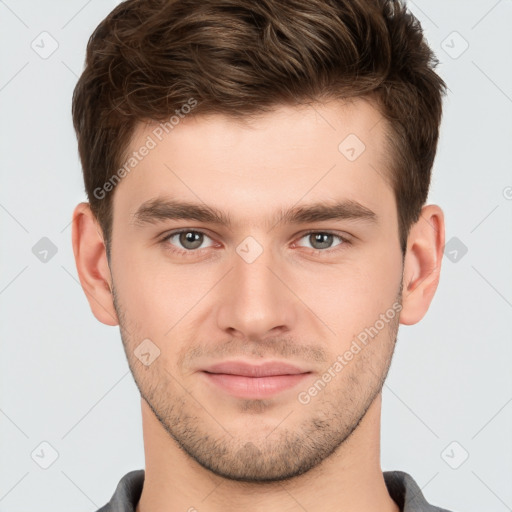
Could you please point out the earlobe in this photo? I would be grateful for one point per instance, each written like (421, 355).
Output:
(92, 265)
(422, 264)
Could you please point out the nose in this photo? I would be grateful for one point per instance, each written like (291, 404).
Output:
(257, 301)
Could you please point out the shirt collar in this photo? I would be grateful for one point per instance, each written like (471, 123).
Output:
(401, 487)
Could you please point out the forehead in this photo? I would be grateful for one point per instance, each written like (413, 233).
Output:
(315, 152)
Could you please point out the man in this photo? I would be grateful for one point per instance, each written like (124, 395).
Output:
(257, 175)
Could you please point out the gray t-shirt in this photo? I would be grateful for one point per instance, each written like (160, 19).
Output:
(401, 487)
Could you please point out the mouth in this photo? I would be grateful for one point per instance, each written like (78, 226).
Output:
(244, 380)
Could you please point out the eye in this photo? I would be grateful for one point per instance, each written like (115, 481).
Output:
(321, 240)
(190, 240)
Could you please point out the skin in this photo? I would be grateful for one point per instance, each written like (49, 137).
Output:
(205, 448)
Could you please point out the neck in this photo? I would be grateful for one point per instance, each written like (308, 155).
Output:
(350, 479)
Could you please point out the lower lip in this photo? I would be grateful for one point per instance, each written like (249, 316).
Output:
(254, 387)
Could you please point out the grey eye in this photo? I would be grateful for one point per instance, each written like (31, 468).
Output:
(321, 240)
(187, 239)
(191, 239)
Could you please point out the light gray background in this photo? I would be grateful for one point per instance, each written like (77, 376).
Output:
(64, 376)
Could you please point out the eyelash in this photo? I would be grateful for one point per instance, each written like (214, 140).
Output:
(194, 252)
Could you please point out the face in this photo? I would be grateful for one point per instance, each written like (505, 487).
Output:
(246, 327)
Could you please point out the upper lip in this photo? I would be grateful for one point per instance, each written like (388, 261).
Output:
(251, 370)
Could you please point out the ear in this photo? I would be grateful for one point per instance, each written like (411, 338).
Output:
(422, 265)
(92, 264)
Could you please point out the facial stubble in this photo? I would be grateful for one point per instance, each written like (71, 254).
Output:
(287, 452)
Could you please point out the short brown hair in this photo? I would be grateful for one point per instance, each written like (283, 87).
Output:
(244, 57)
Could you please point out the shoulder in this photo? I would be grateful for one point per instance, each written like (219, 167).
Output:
(127, 493)
(406, 493)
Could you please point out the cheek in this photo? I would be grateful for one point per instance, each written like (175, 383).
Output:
(143, 287)
(161, 299)
(351, 296)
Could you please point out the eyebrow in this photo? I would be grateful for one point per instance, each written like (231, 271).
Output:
(160, 209)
